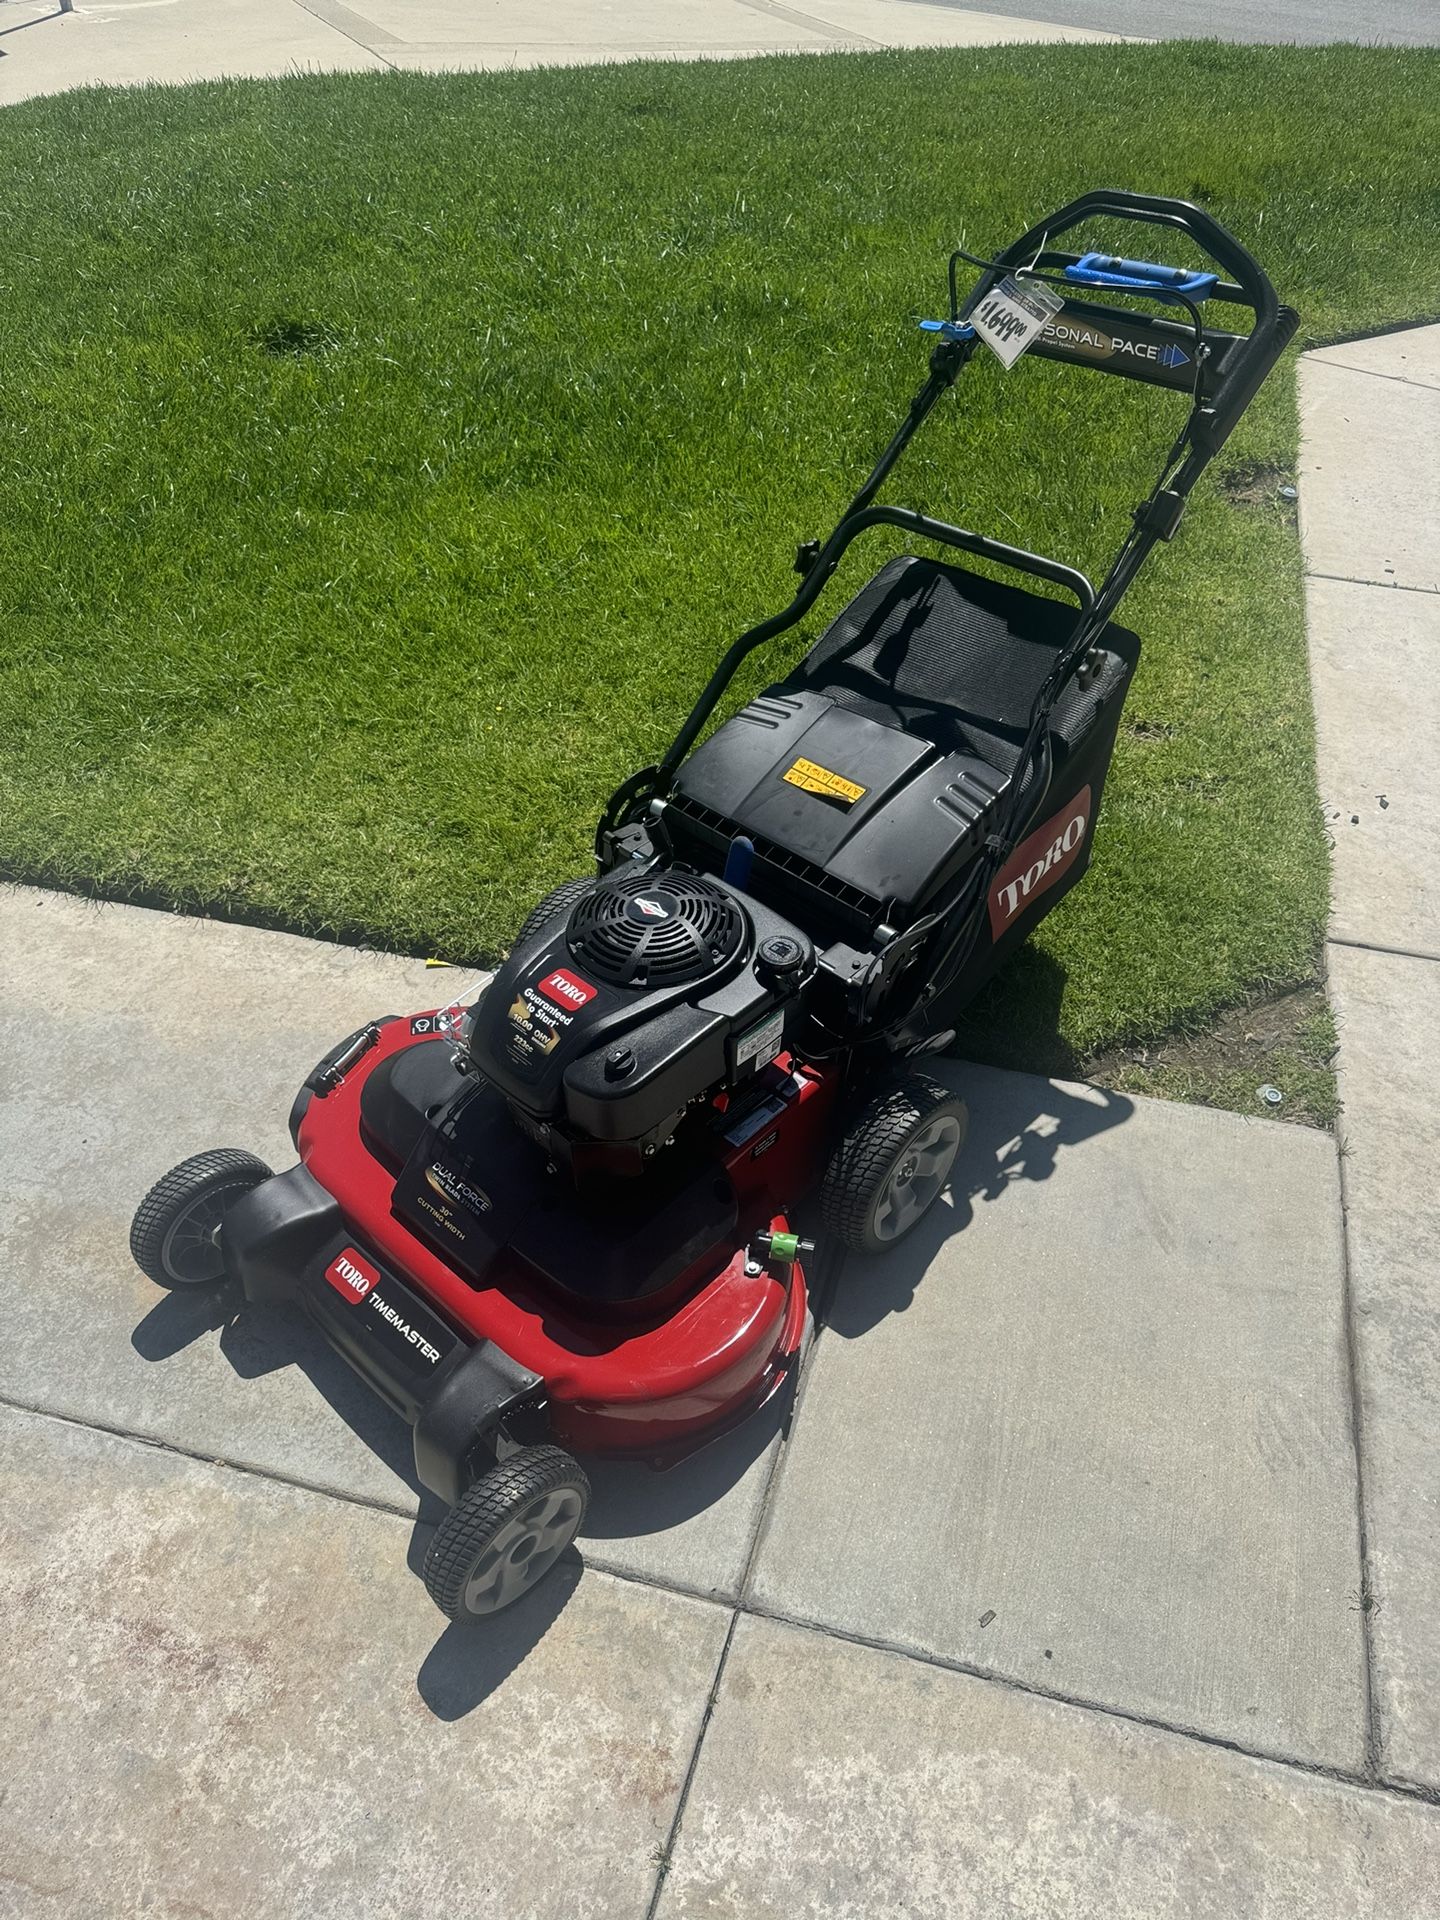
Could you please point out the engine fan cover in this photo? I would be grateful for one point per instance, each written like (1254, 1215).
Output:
(657, 930)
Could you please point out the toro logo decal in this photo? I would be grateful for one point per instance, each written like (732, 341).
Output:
(1038, 862)
(351, 1276)
(567, 989)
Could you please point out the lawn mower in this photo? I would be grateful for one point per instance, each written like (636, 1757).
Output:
(559, 1221)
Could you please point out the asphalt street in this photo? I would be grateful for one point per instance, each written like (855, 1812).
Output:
(1401, 23)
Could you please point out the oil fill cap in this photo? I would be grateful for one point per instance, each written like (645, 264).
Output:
(781, 956)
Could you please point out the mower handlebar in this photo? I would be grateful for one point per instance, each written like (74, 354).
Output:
(1143, 270)
(1219, 399)
(1214, 240)
(1232, 376)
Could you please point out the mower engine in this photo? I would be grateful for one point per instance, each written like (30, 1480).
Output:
(660, 991)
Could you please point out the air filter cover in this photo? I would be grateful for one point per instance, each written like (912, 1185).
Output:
(657, 929)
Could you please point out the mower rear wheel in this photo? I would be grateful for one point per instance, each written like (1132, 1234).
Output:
(555, 906)
(507, 1533)
(175, 1235)
(893, 1163)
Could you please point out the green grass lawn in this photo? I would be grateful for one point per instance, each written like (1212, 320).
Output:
(384, 460)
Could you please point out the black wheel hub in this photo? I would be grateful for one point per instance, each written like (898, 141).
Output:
(191, 1248)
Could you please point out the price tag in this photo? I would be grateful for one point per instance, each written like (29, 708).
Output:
(1013, 315)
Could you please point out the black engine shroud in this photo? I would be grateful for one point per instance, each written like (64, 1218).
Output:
(659, 988)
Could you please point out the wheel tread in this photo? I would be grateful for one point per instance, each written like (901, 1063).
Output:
(868, 1150)
(219, 1167)
(485, 1508)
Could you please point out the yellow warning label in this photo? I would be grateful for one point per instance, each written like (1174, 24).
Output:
(811, 778)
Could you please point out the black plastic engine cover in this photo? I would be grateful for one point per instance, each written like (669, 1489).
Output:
(399, 1096)
(868, 778)
(546, 1025)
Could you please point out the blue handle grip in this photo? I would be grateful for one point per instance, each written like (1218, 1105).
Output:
(1142, 269)
(1144, 276)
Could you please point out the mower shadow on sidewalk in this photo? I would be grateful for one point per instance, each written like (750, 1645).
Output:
(1019, 1125)
(464, 1666)
(468, 1663)
(631, 1499)
(259, 1342)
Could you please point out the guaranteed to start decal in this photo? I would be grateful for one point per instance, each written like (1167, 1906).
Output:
(541, 1014)
(811, 778)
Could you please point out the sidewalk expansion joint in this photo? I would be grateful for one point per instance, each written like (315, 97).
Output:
(1357, 1419)
(1374, 373)
(1316, 1769)
(758, 1610)
(1385, 586)
(828, 1270)
(656, 1582)
(1357, 1441)
(842, 36)
(351, 26)
(390, 1510)
(666, 1853)
(1375, 946)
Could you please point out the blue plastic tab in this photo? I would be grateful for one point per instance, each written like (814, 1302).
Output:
(738, 862)
(950, 329)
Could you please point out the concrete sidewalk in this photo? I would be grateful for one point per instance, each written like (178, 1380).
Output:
(1370, 522)
(1050, 1602)
(125, 42)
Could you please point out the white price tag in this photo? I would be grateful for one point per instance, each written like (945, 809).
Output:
(1013, 315)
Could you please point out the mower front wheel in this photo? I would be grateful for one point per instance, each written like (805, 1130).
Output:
(175, 1235)
(893, 1163)
(507, 1533)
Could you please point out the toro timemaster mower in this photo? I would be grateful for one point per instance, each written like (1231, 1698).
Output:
(558, 1221)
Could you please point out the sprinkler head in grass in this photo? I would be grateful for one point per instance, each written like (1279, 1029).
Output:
(1272, 1096)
